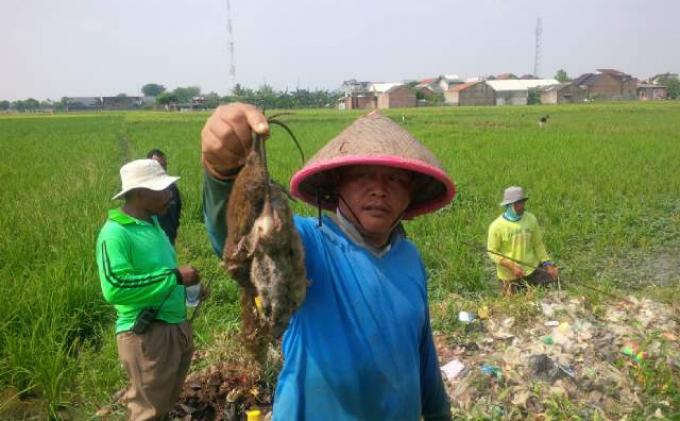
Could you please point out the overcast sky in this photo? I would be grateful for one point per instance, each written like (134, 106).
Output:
(55, 48)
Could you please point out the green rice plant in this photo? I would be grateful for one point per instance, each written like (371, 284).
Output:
(603, 180)
(50, 216)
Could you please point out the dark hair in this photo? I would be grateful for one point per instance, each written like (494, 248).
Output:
(155, 152)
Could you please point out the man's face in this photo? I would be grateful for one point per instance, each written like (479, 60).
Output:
(154, 202)
(376, 195)
(161, 160)
(519, 207)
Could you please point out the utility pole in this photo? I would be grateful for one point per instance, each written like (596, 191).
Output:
(230, 45)
(537, 49)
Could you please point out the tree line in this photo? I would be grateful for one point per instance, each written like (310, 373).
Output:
(265, 97)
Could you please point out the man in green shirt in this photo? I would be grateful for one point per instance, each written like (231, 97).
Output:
(138, 271)
(515, 244)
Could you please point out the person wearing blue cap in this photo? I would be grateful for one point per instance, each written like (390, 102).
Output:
(515, 244)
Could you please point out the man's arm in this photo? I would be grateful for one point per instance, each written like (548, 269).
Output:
(225, 142)
(215, 198)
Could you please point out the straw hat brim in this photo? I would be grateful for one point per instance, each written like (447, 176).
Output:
(435, 188)
(510, 202)
(156, 184)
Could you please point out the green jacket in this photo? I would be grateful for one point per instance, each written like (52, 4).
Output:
(521, 240)
(138, 269)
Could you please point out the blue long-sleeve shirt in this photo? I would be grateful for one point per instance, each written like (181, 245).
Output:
(360, 347)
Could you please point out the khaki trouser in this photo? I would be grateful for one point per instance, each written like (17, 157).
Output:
(157, 363)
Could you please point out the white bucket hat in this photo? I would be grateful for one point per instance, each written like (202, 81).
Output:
(143, 174)
(513, 194)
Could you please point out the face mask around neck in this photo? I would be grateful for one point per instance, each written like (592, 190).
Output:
(510, 213)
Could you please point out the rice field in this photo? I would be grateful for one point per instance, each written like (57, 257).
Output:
(603, 180)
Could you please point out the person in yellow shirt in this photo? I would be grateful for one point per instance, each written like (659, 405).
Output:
(515, 244)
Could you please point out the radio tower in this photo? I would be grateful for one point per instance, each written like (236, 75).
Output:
(230, 45)
(537, 50)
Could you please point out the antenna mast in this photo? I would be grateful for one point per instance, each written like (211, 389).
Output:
(230, 45)
(537, 50)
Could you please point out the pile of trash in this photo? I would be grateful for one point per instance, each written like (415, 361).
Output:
(223, 392)
(572, 359)
(228, 387)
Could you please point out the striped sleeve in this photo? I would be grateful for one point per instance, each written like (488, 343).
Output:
(121, 284)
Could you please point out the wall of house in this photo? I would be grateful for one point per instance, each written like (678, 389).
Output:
(645, 94)
(83, 103)
(360, 102)
(608, 87)
(383, 101)
(549, 97)
(477, 94)
(512, 97)
(121, 103)
(571, 94)
(397, 98)
(605, 86)
(651, 94)
(659, 93)
(451, 98)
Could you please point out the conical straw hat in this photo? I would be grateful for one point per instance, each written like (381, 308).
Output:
(374, 140)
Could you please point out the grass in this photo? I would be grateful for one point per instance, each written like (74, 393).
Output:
(604, 182)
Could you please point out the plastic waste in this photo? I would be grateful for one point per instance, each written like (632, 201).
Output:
(452, 369)
(193, 294)
(492, 370)
(466, 317)
(253, 415)
(632, 351)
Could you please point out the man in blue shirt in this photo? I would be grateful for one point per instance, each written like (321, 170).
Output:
(170, 220)
(360, 347)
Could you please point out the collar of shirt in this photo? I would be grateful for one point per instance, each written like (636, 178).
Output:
(123, 218)
(353, 233)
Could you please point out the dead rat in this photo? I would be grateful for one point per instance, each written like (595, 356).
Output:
(263, 251)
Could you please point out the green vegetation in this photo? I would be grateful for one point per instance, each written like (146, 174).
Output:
(561, 76)
(673, 86)
(153, 89)
(604, 181)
